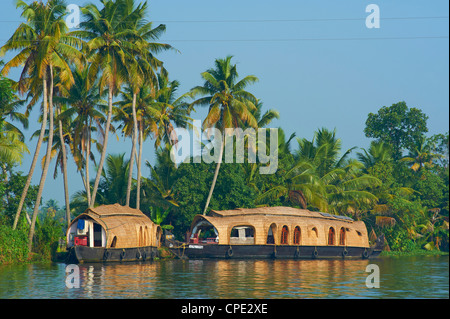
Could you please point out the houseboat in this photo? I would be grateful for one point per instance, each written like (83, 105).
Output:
(277, 232)
(112, 233)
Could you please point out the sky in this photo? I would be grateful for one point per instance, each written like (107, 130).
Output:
(317, 62)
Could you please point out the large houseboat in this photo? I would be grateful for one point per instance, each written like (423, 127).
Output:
(112, 233)
(277, 232)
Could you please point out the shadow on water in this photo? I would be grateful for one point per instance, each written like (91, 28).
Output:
(400, 277)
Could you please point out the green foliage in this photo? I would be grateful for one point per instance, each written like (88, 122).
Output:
(192, 186)
(430, 190)
(158, 216)
(12, 184)
(47, 234)
(13, 243)
(397, 125)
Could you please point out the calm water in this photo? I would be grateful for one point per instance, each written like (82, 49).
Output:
(400, 277)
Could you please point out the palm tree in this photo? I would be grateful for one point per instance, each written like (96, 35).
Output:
(12, 144)
(112, 186)
(44, 46)
(323, 151)
(169, 111)
(263, 121)
(229, 104)
(145, 123)
(142, 65)
(298, 186)
(378, 151)
(158, 189)
(420, 156)
(347, 189)
(86, 116)
(108, 41)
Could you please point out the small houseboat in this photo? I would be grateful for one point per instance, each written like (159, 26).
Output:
(112, 233)
(277, 232)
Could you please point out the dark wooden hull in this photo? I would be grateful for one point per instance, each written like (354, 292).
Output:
(81, 254)
(271, 251)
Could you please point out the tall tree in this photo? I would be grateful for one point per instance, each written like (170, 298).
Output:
(142, 66)
(229, 103)
(420, 155)
(108, 41)
(397, 125)
(86, 115)
(44, 46)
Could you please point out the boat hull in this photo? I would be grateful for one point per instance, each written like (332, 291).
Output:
(194, 251)
(82, 254)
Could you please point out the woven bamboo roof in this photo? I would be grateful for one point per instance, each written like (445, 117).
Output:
(314, 225)
(276, 211)
(114, 210)
(125, 223)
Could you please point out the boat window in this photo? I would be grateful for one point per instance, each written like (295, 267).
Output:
(243, 234)
(284, 235)
(146, 243)
(114, 242)
(271, 231)
(297, 235)
(342, 236)
(315, 232)
(331, 236)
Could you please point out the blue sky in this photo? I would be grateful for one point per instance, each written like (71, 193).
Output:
(317, 62)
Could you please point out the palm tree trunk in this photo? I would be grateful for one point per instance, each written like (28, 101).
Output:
(88, 153)
(46, 163)
(64, 163)
(216, 173)
(36, 153)
(139, 161)
(133, 150)
(105, 143)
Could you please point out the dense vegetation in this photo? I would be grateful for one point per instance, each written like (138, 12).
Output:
(398, 186)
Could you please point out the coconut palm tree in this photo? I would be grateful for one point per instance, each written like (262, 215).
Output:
(108, 44)
(12, 144)
(142, 64)
(420, 155)
(112, 187)
(299, 186)
(123, 115)
(44, 46)
(348, 189)
(323, 151)
(378, 151)
(229, 104)
(86, 115)
(169, 111)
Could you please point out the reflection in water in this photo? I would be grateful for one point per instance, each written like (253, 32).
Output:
(400, 277)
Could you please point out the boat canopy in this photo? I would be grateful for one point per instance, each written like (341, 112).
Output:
(113, 226)
(280, 226)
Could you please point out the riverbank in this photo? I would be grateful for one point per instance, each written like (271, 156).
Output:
(417, 252)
